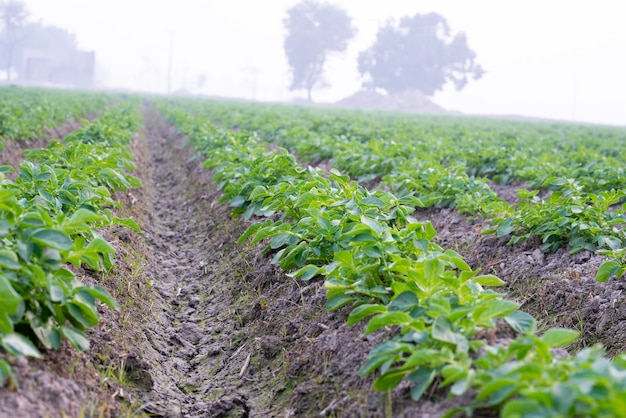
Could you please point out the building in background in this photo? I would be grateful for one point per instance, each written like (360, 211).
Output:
(67, 67)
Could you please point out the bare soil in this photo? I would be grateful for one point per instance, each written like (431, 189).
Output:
(210, 328)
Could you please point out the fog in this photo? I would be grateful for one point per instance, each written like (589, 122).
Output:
(552, 59)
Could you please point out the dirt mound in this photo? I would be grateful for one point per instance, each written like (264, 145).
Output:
(408, 101)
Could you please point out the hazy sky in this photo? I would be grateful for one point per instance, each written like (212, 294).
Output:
(548, 58)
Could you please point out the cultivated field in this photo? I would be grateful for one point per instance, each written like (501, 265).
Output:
(186, 257)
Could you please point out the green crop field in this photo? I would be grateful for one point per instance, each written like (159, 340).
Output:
(469, 265)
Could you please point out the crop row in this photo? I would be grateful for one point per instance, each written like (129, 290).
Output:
(446, 161)
(28, 113)
(381, 262)
(50, 216)
(501, 150)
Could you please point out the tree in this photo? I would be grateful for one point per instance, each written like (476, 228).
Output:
(12, 17)
(418, 53)
(314, 30)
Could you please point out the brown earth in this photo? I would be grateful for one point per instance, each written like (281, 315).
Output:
(210, 328)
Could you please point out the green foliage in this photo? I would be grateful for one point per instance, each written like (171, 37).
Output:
(28, 113)
(584, 221)
(381, 263)
(49, 218)
(451, 162)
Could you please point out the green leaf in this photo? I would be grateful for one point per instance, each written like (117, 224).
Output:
(257, 192)
(100, 245)
(387, 319)
(389, 380)
(18, 345)
(422, 379)
(280, 240)
(237, 201)
(363, 238)
(81, 316)
(76, 337)
(442, 330)
(5, 227)
(505, 228)
(363, 311)
(606, 270)
(84, 215)
(9, 298)
(307, 272)
(461, 386)
(405, 301)
(52, 238)
(6, 323)
(494, 386)
(372, 201)
(128, 223)
(372, 224)
(305, 199)
(9, 260)
(5, 372)
(102, 295)
(523, 408)
(497, 308)
(559, 337)
(521, 322)
(253, 229)
(57, 294)
(338, 301)
(49, 336)
(489, 280)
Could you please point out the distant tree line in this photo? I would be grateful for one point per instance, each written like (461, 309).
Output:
(415, 53)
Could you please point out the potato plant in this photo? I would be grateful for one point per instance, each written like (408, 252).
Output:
(583, 221)
(49, 219)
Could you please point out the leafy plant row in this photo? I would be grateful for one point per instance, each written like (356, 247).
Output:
(501, 150)
(49, 222)
(413, 156)
(28, 113)
(381, 262)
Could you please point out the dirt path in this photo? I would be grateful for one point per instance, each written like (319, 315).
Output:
(185, 328)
